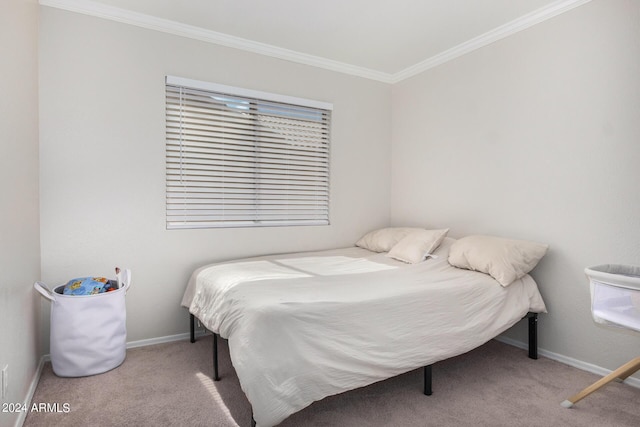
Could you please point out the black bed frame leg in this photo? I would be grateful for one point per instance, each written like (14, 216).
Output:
(427, 380)
(192, 327)
(533, 351)
(216, 377)
(533, 335)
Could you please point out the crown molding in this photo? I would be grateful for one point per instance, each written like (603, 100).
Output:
(100, 10)
(498, 33)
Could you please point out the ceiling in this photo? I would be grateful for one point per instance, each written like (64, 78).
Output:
(385, 40)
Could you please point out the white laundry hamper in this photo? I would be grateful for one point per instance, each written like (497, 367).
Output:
(88, 332)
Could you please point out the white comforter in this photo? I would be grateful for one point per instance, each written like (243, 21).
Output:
(305, 326)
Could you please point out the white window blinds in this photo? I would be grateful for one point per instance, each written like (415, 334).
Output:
(241, 158)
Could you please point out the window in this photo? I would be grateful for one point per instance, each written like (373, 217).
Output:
(242, 158)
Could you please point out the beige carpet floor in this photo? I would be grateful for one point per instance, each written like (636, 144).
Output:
(494, 385)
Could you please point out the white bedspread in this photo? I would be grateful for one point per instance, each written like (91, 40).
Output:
(305, 326)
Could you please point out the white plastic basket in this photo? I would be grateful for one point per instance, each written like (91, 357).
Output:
(88, 332)
(615, 295)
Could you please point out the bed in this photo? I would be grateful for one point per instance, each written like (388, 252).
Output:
(304, 326)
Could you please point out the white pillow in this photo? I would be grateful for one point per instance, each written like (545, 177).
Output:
(504, 259)
(415, 246)
(383, 239)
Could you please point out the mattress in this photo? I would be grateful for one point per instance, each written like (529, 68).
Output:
(309, 325)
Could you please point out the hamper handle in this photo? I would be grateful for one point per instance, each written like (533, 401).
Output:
(124, 278)
(44, 291)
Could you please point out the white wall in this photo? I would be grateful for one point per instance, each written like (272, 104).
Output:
(103, 165)
(19, 219)
(535, 137)
(532, 137)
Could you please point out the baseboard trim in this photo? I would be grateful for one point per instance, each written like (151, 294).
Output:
(594, 369)
(162, 340)
(149, 341)
(32, 390)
